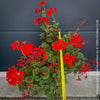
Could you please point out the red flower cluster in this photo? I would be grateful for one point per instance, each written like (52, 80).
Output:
(16, 45)
(69, 59)
(43, 2)
(43, 55)
(50, 11)
(95, 61)
(42, 20)
(34, 55)
(23, 62)
(59, 45)
(20, 62)
(79, 79)
(77, 40)
(54, 65)
(56, 70)
(38, 10)
(41, 51)
(39, 55)
(85, 68)
(14, 76)
(31, 51)
(28, 48)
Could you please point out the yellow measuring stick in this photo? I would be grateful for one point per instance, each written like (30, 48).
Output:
(62, 73)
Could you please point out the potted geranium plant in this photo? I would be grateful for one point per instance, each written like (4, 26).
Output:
(40, 67)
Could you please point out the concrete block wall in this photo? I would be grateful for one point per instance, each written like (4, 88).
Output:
(84, 88)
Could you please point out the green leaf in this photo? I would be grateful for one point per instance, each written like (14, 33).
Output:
(41, 83)
(49, 54)
(46, 87)
(49, 40)
(21, 86)
(47, 30)
(52, 88)
(37, 78)
(42, 26)
(71, 69)
(69, 33)
(54, 75)
(59, 92)
(49, 25)
(33, 75)
(45, 45)
(45, 68)
(45, 76)
(53, 21)
(26, 79)
(80, 55)
(51, 29)
(51, 35)
(65, 35)
(57, 23)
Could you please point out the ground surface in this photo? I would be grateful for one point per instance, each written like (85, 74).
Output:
(76, 98)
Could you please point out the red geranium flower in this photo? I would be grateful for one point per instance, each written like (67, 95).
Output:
(14, 76)
(54, 64)
(15, 44)
(85, 68)
(28, 49)
(37, 20)
(38, 10)
(50, 11)
(86, 77)
(38, 55)
(20, 62)
(23, 95)
(43, 2)
(55, 10)
(45, 19)
(69, 59)
(79, 79)
(55, 35)
(94, 62)
(56, 71)
(19, 47)
(42, 20)
(43, 54)
(59, 45)
(77, 40)
(28, 93)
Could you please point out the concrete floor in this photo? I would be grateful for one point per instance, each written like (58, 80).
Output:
(58, 99)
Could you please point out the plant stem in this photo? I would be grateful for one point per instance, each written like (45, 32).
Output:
(23, 53)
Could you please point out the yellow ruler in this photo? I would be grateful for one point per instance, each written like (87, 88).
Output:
(62, 73)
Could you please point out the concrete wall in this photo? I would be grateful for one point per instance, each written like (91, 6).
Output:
(84, 88)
